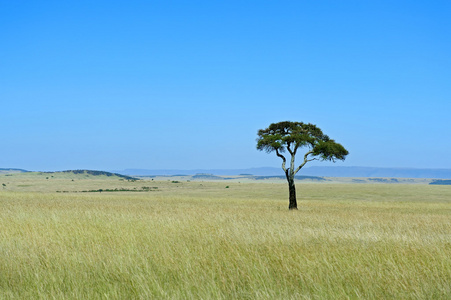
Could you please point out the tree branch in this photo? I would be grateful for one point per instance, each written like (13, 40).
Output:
(289, 149)
(306, 160)
(283, 159)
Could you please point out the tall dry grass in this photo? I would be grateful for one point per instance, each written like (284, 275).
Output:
(207, 242)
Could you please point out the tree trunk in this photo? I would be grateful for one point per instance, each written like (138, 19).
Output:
(292, 190)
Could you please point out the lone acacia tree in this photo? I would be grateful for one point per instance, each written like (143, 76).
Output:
(290, 136)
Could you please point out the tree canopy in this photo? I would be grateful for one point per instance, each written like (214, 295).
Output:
(290, 137)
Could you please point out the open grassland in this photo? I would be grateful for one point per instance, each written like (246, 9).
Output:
(70, 182)
(191, 240)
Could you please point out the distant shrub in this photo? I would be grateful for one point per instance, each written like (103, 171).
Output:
(147, 188)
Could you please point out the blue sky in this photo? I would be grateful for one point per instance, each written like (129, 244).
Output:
(187, 84)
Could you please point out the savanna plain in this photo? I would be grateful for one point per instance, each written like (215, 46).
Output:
(221, 240)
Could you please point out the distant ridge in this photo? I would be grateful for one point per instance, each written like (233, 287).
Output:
(322, 171)
(378, 172)
(265, 171)
(96, 173)
(11, 170)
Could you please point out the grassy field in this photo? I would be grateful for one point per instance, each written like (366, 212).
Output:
(219, 240)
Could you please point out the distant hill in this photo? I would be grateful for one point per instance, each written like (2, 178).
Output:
(313, 178)
(162, 172)
(320, 171)
(11, 170)
(377, 172)
(317, 171)
(441, 182)
(96, 173)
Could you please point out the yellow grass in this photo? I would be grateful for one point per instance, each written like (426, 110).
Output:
(194, 240)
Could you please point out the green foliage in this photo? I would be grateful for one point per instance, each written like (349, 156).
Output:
(144, 189)
(148, 188)
(290, 136)
(329, 150)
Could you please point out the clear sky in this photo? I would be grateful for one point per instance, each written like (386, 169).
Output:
(111, 85)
